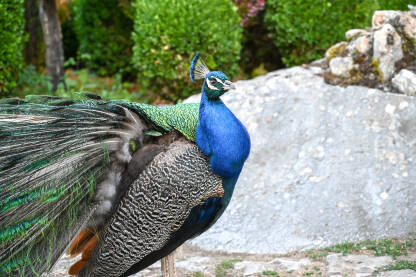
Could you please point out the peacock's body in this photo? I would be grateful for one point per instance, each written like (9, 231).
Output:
(122, 183)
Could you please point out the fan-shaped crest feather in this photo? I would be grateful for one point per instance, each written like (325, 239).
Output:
(198, 69)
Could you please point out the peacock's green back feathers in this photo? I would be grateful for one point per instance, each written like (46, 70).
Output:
(54, 153)
(181, 117)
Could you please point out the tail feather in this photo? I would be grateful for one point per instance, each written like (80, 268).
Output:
(54, 155)
(60, 162)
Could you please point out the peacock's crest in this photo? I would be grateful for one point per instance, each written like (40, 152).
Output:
(198, 69)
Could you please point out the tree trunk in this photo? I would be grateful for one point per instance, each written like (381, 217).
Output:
(33, 46)
(168, 265)
(52, 36)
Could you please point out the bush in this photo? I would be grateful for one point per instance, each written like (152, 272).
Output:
(400, 5)
(168, 33)
(249, 9)
(12, 38)
(103, 29)
(304, 29)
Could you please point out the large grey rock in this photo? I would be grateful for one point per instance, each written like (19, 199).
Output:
(328, 165)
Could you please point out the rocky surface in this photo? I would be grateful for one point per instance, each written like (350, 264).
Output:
(376, 57)
(328, 165)
(195, 262)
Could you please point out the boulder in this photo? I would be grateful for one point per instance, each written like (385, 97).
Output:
(405, 81)
(328, 165)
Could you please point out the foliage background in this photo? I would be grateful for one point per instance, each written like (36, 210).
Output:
(103, 30)
(12, 37)
(141, 50)
(168, 33)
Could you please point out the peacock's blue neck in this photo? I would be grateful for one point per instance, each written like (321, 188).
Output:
(224, 139)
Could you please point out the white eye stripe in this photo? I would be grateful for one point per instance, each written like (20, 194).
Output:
(219, 81)
(211, 86)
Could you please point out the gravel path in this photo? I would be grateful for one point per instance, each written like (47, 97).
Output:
(195, 262)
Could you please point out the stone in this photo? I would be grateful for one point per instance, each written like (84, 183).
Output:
(335, 50)
(355, 33)
(314, 146)
(377, 53)
(250, 268)
(363, 274)
(382, 17)
(405, 82)
(362, 44)
(409, 257)
(290, 264)
(399, 273)
(409, 23)
(194, 264)
(387, 50)
(341, 66)
(361, 264)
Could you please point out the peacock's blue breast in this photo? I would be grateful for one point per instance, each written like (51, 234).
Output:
(223, 138)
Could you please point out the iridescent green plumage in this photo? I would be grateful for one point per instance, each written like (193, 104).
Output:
(181, 117)
(53, 153)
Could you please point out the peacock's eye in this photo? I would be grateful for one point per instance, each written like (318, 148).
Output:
(213, 81)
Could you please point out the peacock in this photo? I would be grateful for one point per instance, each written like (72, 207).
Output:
(122, 183)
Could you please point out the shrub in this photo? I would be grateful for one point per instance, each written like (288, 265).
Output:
(393, 5)
(168, 33)
(104, 31)
(12, 38)
(249, 9)
(304, 29)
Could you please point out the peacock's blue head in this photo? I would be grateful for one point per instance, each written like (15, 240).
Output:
(215, 84)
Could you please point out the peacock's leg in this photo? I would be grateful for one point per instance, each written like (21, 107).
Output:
(168, 265)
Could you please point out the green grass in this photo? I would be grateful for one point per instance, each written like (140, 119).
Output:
(198, 274)
(383, 247)
(316, 254)
(316, 268)
(221, 269)
(344, 248)
(270, 273)
(388, 247)
(400, 265)
(32, 82)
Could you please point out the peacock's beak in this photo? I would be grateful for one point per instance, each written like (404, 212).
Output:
(228, 85)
